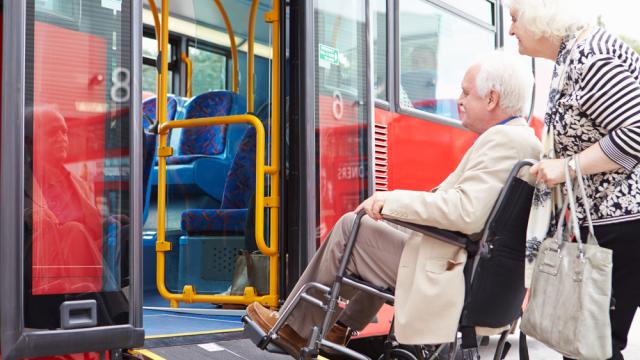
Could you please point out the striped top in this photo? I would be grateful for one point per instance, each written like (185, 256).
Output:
(599, 101)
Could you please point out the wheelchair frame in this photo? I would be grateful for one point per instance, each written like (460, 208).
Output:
(312, 350)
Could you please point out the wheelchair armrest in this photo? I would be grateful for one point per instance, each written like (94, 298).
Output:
(448, 236)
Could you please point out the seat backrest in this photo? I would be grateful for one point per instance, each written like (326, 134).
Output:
(494, 297)
(210, 140)
(241, 179)
(149, 145)
(149, 110)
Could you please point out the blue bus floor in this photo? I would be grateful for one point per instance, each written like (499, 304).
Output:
(167, 322)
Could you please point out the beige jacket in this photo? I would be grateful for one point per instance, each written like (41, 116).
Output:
(430, 284)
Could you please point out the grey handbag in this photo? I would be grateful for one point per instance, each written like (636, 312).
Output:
(571, 288)
(251, 269)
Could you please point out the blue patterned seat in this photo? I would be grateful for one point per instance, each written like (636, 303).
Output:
(201, 142)
(238, 190)
(149, 141)
(203, 156)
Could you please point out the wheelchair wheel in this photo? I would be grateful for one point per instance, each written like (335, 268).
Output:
(398, 354)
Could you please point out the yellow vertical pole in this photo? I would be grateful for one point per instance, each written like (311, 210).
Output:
(157, 29)
(161, 244)
(189, 65)
(273, 17)
(250, 55)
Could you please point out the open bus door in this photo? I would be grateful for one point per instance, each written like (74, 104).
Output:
(70, 260)
(331, 41)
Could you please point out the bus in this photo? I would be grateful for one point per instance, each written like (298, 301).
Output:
(166, 162)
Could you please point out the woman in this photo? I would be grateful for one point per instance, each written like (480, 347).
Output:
(593, 113)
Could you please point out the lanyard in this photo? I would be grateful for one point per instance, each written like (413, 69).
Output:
(507, 120)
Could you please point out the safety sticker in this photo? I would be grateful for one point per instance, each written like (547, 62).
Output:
(327, 56)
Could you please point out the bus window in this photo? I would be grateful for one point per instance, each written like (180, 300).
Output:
(436, 47)
(379, 31)
(481, 9)
(149, 71)
(209, 68)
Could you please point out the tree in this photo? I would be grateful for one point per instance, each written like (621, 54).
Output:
(634, 43)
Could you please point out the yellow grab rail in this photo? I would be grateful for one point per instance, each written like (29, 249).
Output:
(232, 40)
(273, 17)
(189, 65)
(189, 293)
(250, 56)
(272, 201)
(156, 21)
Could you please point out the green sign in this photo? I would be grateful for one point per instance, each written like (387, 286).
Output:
(328, 56)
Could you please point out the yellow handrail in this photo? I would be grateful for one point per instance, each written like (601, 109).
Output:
(189, 293)
(273, 17)
(161, 243)
(250, 55)
(232, 40)
(156, 21)
(157, 28)
(272, 201)
(189, 65)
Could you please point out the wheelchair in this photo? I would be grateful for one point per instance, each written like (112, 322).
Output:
(494, 281)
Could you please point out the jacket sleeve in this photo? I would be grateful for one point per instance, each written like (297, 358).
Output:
(466, 206)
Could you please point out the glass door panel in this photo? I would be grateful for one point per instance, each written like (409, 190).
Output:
(341, 116)
(78, 94)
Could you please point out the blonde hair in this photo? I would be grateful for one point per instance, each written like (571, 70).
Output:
(551, 18)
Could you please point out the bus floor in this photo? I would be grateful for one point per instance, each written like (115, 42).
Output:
(195, 331)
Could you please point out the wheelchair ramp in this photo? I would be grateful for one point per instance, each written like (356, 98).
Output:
(221, 350)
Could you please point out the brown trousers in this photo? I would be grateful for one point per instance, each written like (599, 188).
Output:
(375, 259)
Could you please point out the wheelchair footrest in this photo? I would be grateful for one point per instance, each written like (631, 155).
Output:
(259, 337)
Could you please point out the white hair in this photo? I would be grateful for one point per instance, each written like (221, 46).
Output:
(510, 76)
(551, 18)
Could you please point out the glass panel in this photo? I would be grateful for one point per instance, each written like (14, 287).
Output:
(208, 70)
(149, 72)
(78, 97)
(150, 49)
(341, 113)
(379, 30)
(149, 80)
(482, 9)
(436, 48)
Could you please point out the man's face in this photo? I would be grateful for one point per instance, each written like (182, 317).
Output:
(473, 107)
(53, 139)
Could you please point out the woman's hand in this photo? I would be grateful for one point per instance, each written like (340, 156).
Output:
(549, 171)
(373, 205)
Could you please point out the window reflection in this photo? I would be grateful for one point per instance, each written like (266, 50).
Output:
(208, 69)
(481, 9)
(435, 49)
(76, 173)
(379, 27)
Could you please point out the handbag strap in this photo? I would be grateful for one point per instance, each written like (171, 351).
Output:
(591, 238)
(573, 213)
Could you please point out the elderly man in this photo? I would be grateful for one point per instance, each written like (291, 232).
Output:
(425, 273)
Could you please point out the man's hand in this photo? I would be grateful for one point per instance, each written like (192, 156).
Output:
(549, 171)
(373, 205)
